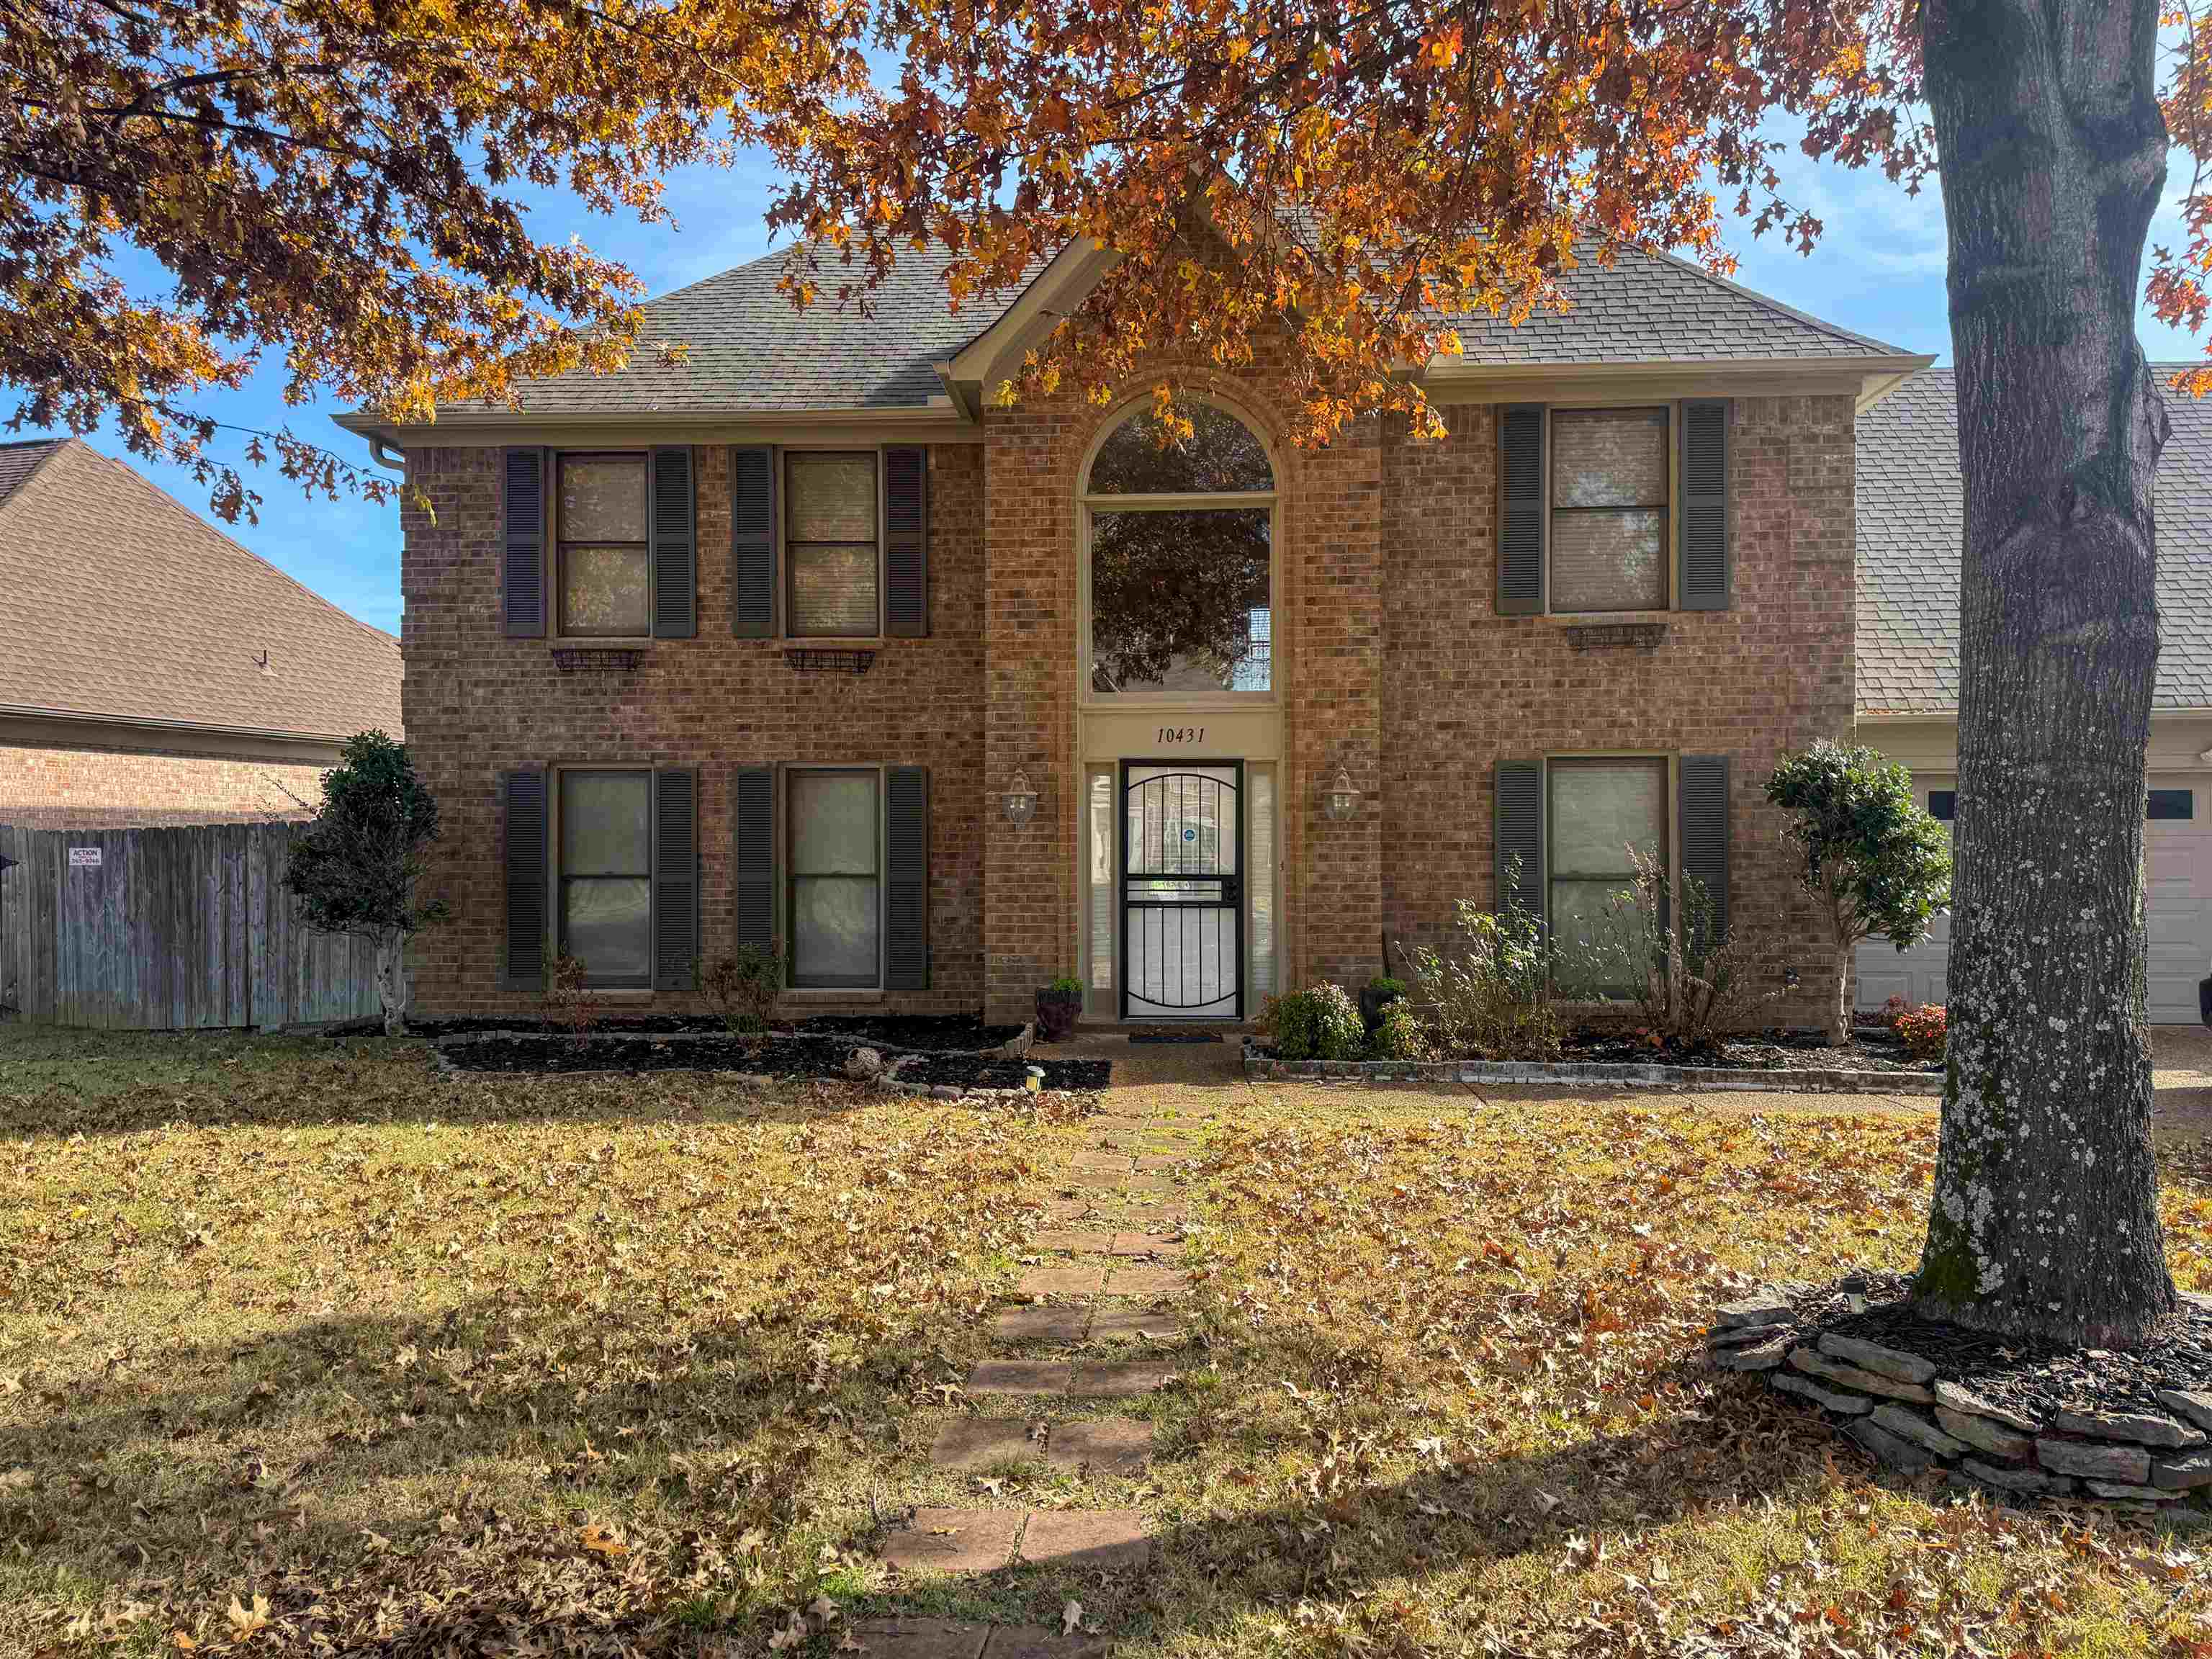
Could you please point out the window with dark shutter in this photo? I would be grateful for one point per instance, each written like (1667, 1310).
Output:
(675, 880)
(523, 856)
(675, 546)
(906, 896)
(522, 569)
(1702, 821)
(1521, 510)
(1518, 800)
(753, 854)
(1706, 575)
(752, 542)
(906, 543)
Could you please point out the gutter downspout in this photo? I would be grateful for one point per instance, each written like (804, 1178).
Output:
(385, 456)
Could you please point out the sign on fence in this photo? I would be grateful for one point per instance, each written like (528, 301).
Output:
(168, 929)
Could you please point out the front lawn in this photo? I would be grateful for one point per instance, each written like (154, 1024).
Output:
(310, 1347)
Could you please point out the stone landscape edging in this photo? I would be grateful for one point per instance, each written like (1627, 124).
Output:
(1259, 1065)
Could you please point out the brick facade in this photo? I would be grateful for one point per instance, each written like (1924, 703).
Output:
(1393, 662)
(50, 785)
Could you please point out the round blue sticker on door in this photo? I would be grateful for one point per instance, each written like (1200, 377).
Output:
(1190, 834)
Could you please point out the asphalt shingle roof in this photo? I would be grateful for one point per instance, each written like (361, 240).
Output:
(750, 352)
(1910, 526)
(120, 601)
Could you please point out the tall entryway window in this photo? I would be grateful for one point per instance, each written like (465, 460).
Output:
(1182, 900)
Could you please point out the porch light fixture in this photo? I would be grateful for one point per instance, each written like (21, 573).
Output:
(1342, 799)
(1020, 801)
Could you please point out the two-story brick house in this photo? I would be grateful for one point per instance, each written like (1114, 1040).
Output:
(803, 638)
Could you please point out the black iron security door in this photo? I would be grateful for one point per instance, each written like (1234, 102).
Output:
(1182, 898)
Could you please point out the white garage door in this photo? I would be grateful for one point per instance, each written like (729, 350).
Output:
(2177, 906)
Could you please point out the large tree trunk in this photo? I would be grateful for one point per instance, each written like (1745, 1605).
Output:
(2044, 1221)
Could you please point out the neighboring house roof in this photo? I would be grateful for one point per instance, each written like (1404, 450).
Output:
(749, 351)
(120, 602)
(1911, 527)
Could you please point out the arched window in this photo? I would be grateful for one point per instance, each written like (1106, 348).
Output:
(1181, 565)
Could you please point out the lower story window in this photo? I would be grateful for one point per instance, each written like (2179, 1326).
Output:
(1597, 810)
(836, 878)
(606, 874)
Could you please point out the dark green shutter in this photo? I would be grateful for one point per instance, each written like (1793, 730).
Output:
(675, 880)
(1518, 789)
(1702, 819)
(675, 546)
(906, 543)
(752, 542)
(1706, 574)
(522, 518)
(1521, 510)
(524, 856)
(906, 870)
(752, 854)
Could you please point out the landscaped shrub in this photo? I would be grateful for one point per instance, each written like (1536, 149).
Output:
(567, 1002)
(1689, 985)
(1320, 1024)
(1490, 994)
(742, 987)
(1923, 1031)
(1400, 1035)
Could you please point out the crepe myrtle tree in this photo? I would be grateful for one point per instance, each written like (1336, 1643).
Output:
(1878, 864)
(359, 866)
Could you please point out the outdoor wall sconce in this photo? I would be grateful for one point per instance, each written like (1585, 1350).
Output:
(1020, 801)
(1342, 799)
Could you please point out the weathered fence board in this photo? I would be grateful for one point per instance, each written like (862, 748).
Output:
(168, 929)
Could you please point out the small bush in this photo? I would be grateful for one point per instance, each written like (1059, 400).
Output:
(1492, 991)
(1067, 988)
(1891, 1009)
(1400, 1035)
(567, 1002)
(1383, 986)
(742, 987)
(1692, 984)
(1320, 1024)
(1923, 1031)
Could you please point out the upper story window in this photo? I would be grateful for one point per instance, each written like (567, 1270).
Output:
(830, 537)
(1608, 509)
(605, 581)
(1180, 569)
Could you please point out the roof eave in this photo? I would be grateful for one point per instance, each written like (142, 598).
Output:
(1876, 375)
(940, 413)
(152, 723)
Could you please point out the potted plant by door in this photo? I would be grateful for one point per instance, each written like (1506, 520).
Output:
(1057, 1006)
(1374, 996)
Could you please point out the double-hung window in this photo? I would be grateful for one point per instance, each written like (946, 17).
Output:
(835, 862)
(605, 871)
(604, 549)
(1598, 810)
(1608, 490)
(832, 541)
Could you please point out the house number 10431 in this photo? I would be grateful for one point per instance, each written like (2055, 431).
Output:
(1183, 734)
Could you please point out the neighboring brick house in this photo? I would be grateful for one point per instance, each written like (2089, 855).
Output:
(1910, 526)
(154, 671)
(803, 638)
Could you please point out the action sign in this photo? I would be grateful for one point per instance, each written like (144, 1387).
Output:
(84, 858)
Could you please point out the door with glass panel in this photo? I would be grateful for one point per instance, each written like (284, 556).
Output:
(1182, 900)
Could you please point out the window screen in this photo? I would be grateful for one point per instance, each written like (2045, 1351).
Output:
(606, 565)
(830, 537)
(1609, 544)
(1597, 809)
(606, 875)
(836, 909)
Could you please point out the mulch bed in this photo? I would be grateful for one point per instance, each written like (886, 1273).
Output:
(924, 1031)
(2030, 1378)
(817, 1053)
(1868, 1050)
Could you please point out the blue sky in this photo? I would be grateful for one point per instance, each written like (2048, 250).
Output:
(1878, 269)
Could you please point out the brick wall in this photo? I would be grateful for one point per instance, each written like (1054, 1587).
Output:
(478, 704)
(88, 787)
(1463, 686)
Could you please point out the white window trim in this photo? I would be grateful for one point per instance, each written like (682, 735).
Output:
(783, 564)
(1673, 548)
(786, 877)
(556, 633)
(555, 912)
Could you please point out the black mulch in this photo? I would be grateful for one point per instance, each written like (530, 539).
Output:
(1868, 1050)
(954, 1031)
(2031, 1378)
(792, 1058)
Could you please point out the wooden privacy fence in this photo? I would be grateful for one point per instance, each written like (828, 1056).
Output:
(168, 929)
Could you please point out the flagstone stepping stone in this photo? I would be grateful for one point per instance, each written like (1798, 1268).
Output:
(1018, 1376)
(1090, 1541)
(1097, 1179)
(1075, 1240)
(1162, 1160)
(1122, 1380)
(920, 1638)
(1110, 1446)
(1134, 1325)
(1062, 1324)
(982, 1443)
(1137, 1244)
(1036, 1642)
(1139, 1280)
(1120, 1163)
(954, 1540)
(1078, 1280)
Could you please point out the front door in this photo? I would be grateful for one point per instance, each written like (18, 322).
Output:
(1182, 900)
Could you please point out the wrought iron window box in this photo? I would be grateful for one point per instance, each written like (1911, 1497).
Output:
(812, 660)
(596, 659)
(1628, 636)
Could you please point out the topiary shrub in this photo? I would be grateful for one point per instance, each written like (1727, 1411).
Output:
(1321, 1023)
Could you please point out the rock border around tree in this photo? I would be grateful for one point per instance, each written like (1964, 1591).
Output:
(1261, 1063)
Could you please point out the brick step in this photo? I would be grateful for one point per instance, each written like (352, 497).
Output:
(1120, 1447)
(948, 1540)
(1076, 1379)
(1108, 1277)
(1078, 1241)
(1071, 1325)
